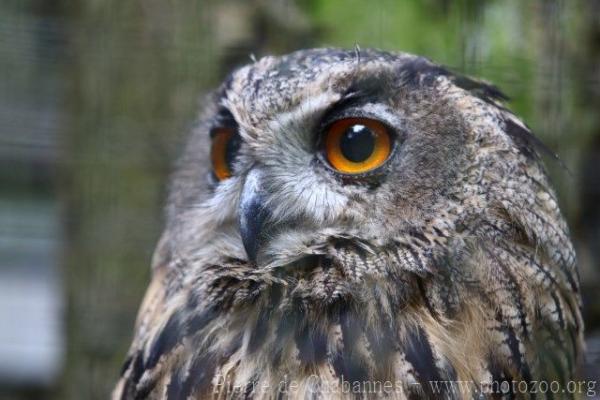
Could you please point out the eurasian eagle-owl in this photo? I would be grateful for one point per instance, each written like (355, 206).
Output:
(359, 223)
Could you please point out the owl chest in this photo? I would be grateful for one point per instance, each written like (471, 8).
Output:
(296, 352)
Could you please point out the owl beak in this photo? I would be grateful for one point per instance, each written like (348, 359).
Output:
(252, 214)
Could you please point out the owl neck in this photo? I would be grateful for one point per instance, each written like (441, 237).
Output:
(316, 328)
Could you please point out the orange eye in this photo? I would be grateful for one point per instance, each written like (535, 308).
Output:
(225, 144)
(356, 145)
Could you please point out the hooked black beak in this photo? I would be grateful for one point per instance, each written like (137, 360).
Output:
(252, 214)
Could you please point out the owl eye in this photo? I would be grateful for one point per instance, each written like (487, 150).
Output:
(225, 145)
(357, 145)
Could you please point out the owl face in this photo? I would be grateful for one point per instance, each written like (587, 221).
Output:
(299, 151)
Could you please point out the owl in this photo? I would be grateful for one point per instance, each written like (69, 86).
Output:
(358, 224)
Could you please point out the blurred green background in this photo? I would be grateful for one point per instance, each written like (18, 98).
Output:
(96, 96)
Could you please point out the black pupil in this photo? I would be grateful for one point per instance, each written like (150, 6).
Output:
(233, 145)
(357, 143)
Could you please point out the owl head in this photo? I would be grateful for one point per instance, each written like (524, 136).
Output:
(373, 159)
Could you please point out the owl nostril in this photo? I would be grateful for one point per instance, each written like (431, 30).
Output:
(252, 215)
